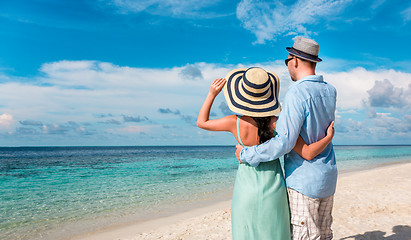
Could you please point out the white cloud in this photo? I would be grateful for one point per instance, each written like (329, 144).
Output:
(103, 75)
(406, 14)
(384, 94)
(269, 19)
(174, 8)
(352, 86)
(377, 4)
(129, 129)
(391, 124)
(6, 122)
(191, 72)
(67, 96)
(79, 90)
(381, 101)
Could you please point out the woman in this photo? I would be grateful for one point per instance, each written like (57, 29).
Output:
(259, 207)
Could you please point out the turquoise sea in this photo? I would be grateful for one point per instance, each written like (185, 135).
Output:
(58, 192)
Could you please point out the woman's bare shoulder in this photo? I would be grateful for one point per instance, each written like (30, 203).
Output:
(231, 117)
(230, 120)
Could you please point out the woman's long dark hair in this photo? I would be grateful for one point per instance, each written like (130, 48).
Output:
(265, 131)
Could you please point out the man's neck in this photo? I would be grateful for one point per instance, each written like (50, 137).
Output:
(305, 74)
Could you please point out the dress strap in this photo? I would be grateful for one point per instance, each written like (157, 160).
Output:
(238, 130)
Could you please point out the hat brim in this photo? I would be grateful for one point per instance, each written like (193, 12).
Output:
(303, 55)
(240, 101)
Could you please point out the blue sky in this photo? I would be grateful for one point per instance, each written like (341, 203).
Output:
(123, 72)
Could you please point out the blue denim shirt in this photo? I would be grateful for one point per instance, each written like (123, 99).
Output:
(308, 109)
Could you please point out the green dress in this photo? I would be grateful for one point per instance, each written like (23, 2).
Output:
(259, 209)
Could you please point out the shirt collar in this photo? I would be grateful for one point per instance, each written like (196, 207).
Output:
(312, 78)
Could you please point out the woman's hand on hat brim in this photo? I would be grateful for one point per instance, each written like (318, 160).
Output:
(216, 86)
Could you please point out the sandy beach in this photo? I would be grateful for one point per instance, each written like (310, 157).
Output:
(369, 204)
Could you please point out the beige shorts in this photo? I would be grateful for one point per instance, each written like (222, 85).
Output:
(310, 217)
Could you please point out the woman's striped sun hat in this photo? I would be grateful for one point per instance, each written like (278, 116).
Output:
(252, 92)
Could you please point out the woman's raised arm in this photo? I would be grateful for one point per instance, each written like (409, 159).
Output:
(222, 124)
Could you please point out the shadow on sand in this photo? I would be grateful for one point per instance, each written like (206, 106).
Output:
(401, 232)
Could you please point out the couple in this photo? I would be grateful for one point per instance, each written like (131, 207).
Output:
(260, 209)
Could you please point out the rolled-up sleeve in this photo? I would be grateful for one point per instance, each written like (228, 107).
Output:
(288, 129)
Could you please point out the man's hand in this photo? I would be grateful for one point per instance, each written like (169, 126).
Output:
(238, 151)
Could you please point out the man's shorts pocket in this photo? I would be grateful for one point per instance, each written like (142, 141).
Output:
(299, 228)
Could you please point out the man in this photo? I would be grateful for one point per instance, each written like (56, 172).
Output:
(308, 109)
